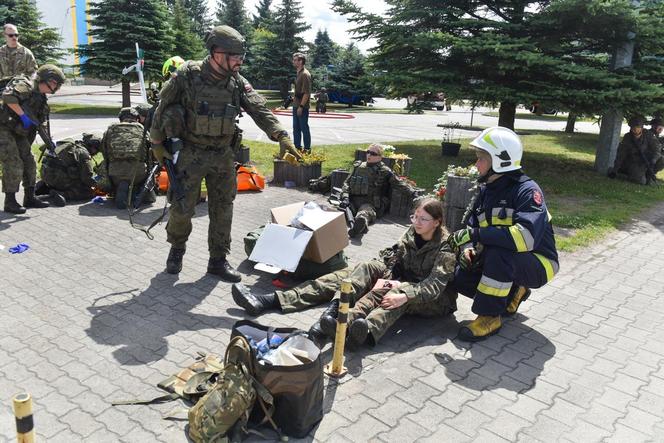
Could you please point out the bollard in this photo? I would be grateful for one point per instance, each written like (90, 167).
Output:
(337, 368)
(25, 432)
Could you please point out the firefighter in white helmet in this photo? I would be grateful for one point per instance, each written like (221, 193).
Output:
(507, 245)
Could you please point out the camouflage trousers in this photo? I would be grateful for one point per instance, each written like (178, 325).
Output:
(365, 301)
(16, 160)
(637, 172)
(216, 166)
(380, 319)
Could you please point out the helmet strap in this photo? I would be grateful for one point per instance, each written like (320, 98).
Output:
(484, 178)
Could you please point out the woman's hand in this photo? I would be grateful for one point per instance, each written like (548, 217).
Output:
(386, 284)
(393, 300)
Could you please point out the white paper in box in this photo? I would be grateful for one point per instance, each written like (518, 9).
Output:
(281, 246)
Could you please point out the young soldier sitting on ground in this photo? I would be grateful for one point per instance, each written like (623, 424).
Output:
(126, 156)
(508, 245)
(410, 277)
(367, 190)
(639, 155)
(69, 175)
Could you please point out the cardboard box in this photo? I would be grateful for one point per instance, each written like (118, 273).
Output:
(330, 232)
(282, 246)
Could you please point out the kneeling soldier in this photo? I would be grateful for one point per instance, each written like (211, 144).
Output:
(508, 245)
(69, 175)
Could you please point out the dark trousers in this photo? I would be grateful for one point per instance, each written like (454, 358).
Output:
(301, 129)
(493, 285)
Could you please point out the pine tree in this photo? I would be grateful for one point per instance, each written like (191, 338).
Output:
(288, 24)
(187, 44)
(7, 11)
(198, 12)
(263, 16)
(42, 41)
(233, 14)
(262, 70)
(518, 52)
(349, 76)
(324, 50)
(116, 25)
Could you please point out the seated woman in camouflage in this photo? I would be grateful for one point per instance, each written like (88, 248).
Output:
(411, 277)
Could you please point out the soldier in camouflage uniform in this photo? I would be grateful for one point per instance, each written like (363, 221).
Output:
(411, 277)
(211, 92)
(367, 190)
(15, 59)
(18, 131)
(126, 156)
(639, 153)
(69, 175)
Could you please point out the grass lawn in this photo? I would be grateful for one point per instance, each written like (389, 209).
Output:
(80, 109)
(545, 117)
(587, 205)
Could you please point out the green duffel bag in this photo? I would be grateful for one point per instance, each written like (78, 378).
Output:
(306, 269)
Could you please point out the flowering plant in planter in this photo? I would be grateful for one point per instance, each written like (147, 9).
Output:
(440, 188)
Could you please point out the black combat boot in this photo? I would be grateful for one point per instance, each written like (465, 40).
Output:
(220, 267)
(11, 205)
(122, 195)
(328, 319)
(30, 200)
(317, 335)
(56, 198)
(359, 227)
(174, 260)
(254, 304)
(358, 331)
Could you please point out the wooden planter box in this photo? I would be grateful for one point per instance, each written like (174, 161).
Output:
(242, 156)
(360, 154)
(401, 201)
(299, 174)
(338, 177)
(458, 196)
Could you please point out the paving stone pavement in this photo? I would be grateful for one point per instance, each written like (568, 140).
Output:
(89, 316)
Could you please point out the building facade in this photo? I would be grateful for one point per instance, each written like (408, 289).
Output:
(70, 18)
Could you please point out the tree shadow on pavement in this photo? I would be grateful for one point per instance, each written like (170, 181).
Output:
(140, 324)
(513, 359)
(145, 216)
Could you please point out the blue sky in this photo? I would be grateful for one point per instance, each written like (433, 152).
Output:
(319, 15)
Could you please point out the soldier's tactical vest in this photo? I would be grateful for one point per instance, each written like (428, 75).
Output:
(358, 182)
(125, 142)
(213, 110)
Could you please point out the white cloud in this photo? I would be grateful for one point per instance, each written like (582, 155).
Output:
(319, 15)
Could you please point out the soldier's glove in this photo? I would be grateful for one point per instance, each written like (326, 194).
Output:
(290, 159)
(459, 238)
(27, 122)
(160, 153)
(286, 146)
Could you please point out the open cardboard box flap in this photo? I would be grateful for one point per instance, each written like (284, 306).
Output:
(330, 235)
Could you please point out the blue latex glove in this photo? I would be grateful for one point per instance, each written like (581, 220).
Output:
(98, 199)
(27, 122)
(19, 248)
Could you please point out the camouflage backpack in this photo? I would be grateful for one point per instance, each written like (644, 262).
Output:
(226, 407)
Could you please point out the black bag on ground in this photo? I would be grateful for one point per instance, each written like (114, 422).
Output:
(306, 269)
(297, 390)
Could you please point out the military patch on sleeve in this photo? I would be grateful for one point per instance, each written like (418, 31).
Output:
(537, 197)
(248, 88)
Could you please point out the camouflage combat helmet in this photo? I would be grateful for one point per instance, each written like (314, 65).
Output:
(143, 109)
(227, 38)
(49, 72)
(636, 121)
(128, 114)
(91, 141)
